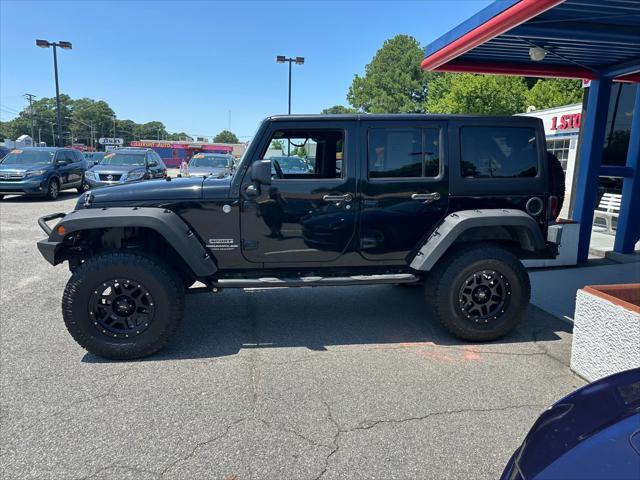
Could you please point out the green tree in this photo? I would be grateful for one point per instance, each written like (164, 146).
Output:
(125, 129)
(299, 151)
(554, 93)
(226, 136)
(337, 109)
(44, 117)
(477, 94)
(150, 131)
(393, 81)
(85, 113)
(181, 136)
(276, 145)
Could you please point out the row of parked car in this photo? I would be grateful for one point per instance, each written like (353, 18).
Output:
(45, 172)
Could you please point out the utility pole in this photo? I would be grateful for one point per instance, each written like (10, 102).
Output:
(114, 127)
(30, 97)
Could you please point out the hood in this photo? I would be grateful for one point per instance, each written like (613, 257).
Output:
(22, 168)
(147, 191)
(207, 170)
(116, 168)
(579, 418)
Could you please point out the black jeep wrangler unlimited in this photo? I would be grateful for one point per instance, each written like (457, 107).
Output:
(451, 202)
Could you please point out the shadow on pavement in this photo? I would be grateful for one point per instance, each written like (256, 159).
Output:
(64, 195)
(225, 323)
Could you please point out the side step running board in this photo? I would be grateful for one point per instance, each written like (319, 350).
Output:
(271, 282)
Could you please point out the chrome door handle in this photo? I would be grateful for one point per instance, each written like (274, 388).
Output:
(426, 197)
(347, 197)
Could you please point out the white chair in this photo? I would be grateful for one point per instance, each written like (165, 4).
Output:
(608, 210)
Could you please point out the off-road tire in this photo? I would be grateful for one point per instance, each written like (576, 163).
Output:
(556, 179)
(446, 280)
(158, 278)
(53, 189)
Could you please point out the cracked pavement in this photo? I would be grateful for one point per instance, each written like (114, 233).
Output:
(325, 383)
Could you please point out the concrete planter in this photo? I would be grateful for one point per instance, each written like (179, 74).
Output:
(606, 330)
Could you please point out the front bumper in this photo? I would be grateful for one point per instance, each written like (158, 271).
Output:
(26, 186)
(102, 183)
(48, 248)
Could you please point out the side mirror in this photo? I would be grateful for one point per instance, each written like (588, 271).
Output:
(261, 172)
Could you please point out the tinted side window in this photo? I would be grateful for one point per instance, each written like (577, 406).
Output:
(64, 156)
(78, 156)
(404, 152)
(498, 152)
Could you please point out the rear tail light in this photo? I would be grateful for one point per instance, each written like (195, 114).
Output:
(552, 208)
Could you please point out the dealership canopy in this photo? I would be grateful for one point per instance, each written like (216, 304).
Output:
(598, 40)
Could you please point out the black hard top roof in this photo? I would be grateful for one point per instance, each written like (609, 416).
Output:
(387, 116)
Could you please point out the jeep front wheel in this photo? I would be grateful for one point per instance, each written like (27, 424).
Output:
(479, 293)
(122, 305)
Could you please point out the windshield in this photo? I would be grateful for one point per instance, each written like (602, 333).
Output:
(209, 161)
(123, 159)
(28, 157)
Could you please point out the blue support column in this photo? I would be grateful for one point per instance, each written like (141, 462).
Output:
(628, 229)
(592, 138)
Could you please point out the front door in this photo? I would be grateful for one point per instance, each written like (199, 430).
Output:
(64, 165)
(404, 188)
(308, 213)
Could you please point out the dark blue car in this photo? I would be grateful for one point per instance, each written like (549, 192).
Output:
(41, 171)
(592, 433)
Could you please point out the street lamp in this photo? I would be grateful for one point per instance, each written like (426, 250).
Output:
(297, 61)
(65, 46)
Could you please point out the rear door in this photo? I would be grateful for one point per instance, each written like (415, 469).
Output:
(404, 186)
(76, 172)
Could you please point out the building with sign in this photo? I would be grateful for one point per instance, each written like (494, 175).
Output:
(581, 39)
(561, 128)
(174, 152)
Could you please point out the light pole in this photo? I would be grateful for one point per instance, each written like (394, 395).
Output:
(297, 61)
(65, 46)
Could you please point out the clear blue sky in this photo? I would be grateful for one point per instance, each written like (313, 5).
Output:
(188, 64)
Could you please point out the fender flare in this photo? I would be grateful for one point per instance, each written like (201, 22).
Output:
(165, 222)
(455, 224)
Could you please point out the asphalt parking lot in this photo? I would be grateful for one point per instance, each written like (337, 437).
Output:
(327, 383)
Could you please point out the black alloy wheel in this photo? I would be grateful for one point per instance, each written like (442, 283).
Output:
(484, 296)
(121, 308)
(479, 292)
(123, 304)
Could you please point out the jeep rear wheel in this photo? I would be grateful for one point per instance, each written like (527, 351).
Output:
(123, 305)
(479, 293)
